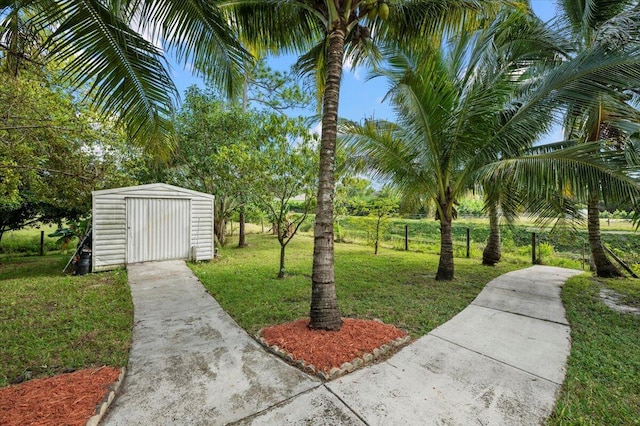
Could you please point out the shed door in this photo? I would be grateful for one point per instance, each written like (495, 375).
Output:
(158, 229)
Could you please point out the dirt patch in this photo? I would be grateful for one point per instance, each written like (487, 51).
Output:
(614, 301)
(326, 350)
(68, 399)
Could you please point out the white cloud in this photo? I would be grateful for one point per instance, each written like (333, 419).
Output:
(145, 30)
(347, 66)
(317, 129)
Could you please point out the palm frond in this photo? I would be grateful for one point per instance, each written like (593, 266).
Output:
(313, 66)
(199, 34)
(414, 22)
(587, 16)
(126, 75)
(277, 26)
(577, 170)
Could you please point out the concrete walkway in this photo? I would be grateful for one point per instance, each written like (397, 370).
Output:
(501, 361)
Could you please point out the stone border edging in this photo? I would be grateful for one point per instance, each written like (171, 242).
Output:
(101, 408)
(367, 358)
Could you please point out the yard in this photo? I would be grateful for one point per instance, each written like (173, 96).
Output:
(53, 323)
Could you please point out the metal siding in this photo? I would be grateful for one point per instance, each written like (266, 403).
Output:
(109, 232)
(157, 229)
(110, 221)
(202, 227)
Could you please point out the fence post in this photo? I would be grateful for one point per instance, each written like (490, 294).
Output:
(533, 248)
(406, 237)
(41, 243)
(468, 243)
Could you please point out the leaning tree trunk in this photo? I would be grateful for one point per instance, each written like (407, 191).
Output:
(604, 267)
(445, 266)
(492, 252)
(324, 313)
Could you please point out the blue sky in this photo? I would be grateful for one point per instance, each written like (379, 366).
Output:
(359, 98)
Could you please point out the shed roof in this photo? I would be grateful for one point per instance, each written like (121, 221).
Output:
(151, 186)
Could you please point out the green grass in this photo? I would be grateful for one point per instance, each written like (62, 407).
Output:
(397, 287)
(603, 375)
(27, 241)
(50, 322)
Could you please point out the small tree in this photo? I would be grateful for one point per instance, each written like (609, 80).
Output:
(379, 208)
(288, 174)
(351, 191)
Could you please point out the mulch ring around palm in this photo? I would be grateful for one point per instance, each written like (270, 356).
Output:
(67, 399)
(330, 354)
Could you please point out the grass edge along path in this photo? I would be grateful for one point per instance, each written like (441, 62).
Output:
(602, 385)
(51, 323)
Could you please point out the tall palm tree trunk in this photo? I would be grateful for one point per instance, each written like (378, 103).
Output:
(604, 267)
(445, 265)
(493, 251)
(324, 313)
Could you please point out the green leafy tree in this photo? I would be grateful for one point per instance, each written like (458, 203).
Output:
(379, 207)
(215, 140)
(288, 172)
(103, 51)
(54, 150)
(271, 92)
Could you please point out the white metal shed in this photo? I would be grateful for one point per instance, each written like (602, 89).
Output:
(150, 222)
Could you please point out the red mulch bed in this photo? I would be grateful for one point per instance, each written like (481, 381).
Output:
(328, 349)
(67, 399)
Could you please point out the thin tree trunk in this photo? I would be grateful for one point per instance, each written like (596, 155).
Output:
(445, 265)
(281, 272)
(377, 234)
(219, 222)
(324, 312)
(493, 251)
(604, 267)
(242, 242)
(219, 229)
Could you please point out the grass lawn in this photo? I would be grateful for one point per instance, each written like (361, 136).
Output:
(51, 322)
(603, 375)
(397, 287)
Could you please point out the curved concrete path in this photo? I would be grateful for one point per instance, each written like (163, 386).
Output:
(501, 361)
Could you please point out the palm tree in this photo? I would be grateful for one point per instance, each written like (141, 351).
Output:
(323, 32)
(479, 105)
(451, 101)
(601, 65)
(101, 48)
